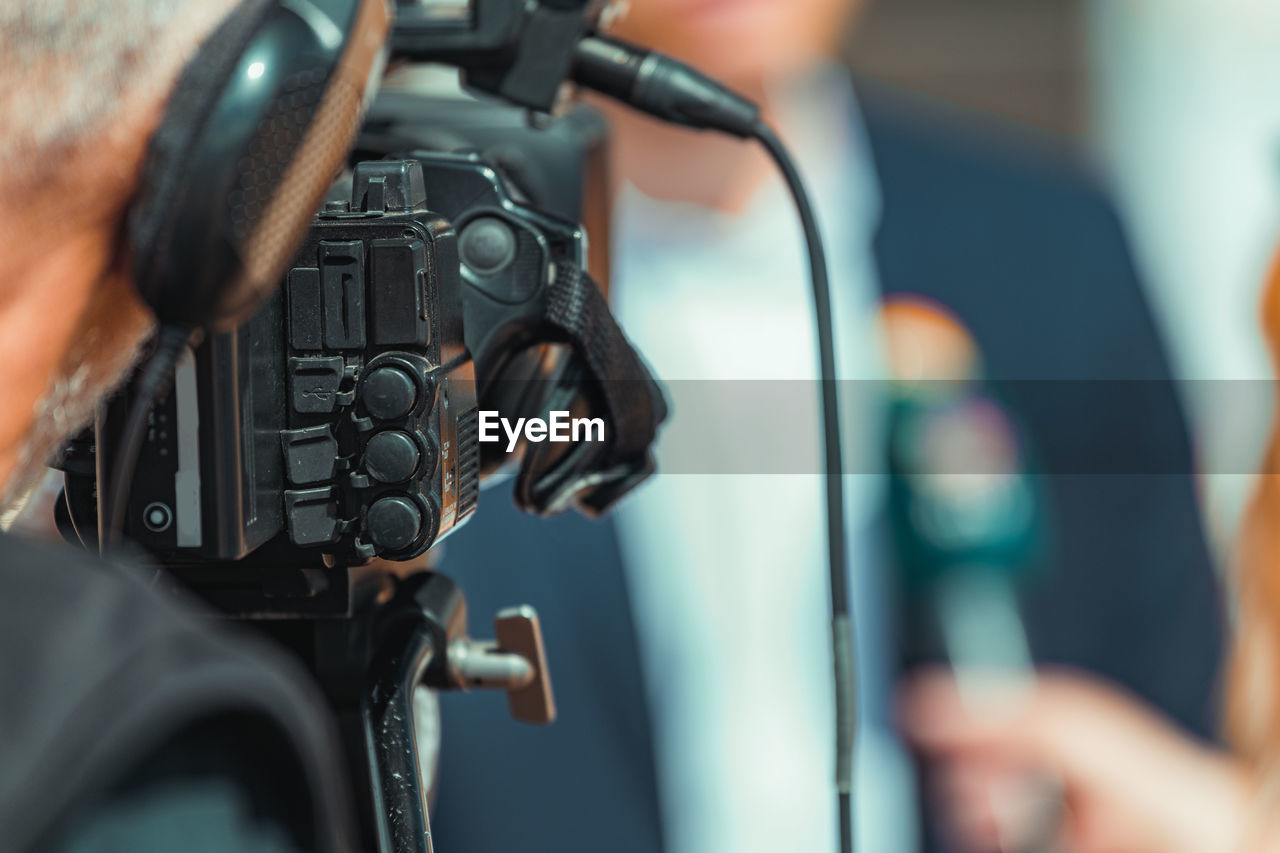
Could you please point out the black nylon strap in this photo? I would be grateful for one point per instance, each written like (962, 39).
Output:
(632, 397)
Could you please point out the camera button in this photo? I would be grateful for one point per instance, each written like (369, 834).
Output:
(487, 245)
(157, 517)
(388, 393)
(393, 523)
(391, 457)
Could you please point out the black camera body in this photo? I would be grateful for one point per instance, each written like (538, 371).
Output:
(340, 419)
(340, 423)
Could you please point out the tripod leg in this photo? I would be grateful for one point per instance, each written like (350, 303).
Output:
(421, 639)
(400, 801)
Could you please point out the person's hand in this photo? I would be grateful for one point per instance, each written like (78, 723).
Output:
(1130, 783)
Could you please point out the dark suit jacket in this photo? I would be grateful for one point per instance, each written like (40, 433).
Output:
(1028, 251)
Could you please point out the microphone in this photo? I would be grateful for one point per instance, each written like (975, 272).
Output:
(969, 524)
(966, 515)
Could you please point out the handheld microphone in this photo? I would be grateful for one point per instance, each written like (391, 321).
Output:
(969, 525)
(966, 515)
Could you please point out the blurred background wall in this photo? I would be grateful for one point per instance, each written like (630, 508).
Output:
(1023, 59)
(1179, 103)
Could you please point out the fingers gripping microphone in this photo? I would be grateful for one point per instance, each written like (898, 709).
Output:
(969, 525)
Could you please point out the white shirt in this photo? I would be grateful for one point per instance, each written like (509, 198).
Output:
(725, 548)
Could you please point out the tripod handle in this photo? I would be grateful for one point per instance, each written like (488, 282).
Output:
(515, 661)
(518, 631)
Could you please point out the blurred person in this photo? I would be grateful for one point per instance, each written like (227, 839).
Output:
(1134, 781)
(689, 634)
(96, 754)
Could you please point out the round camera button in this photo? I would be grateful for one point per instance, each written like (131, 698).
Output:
(393, 523)
(388, 393)
(391, 456)
(487, 245)
(157, 517)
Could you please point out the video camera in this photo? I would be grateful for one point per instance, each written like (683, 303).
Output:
(340, 424)
(342, 420)
(302, 461)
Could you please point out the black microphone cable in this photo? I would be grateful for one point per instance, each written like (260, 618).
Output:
(674, 92)
(842, 644)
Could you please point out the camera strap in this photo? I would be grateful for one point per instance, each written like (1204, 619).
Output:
(619, 386)
(632, 397)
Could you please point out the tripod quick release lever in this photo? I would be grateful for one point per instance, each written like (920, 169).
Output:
(515, 662)
(425, 641)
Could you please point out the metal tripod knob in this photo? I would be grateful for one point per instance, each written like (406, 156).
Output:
(515, 661)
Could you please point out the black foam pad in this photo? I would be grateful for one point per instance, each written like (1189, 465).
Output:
(186, 115)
